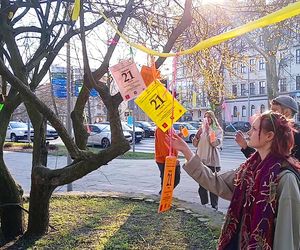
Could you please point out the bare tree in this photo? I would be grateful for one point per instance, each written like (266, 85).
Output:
(24, 73)
(269, 40)
(206, 68)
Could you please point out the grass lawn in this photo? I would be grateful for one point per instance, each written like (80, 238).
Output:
(114, 223)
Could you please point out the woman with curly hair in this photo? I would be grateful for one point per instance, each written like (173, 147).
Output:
(264, 211)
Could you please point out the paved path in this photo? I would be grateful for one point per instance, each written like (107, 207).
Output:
(138, 176)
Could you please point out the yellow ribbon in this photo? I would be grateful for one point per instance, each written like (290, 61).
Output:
(275, 17)
(76, 10)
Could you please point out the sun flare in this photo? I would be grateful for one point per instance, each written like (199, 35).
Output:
(213, 1)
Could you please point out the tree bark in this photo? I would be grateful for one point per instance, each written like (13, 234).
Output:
(38, 220)
(12, 218)
(11, 214)
(272, 77)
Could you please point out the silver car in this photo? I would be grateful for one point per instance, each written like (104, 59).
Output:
(192, 130)
(18, 131)
(100, 134)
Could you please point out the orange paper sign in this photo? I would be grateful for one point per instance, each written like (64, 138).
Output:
(168, 184)
(185, 132)
(212, 136)
(149, 74)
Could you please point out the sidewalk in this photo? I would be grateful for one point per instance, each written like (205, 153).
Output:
(129, 176)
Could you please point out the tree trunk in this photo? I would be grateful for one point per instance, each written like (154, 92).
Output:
(12, 217)
(38, 220)
(11, 214)
(272, 78)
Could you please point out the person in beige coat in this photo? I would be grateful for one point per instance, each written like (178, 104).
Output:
(208, 141)
(264, 192)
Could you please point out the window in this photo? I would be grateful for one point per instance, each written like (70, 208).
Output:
(252, 110)
(252, 88)
(261, 64)
(262, 108)
(262, 87)
(243, 68)
(298, 56)
(243, 89)
(297, 82)
(282, 85)
(244, 111)
(235, 111)
(234, 67)
(261, 41)
(234, 90)
(252, 65)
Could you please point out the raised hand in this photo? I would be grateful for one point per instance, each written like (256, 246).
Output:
(239, 138)
(199, 132)
(179, 144)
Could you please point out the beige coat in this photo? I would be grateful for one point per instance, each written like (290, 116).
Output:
(209, 152)
(287, 227)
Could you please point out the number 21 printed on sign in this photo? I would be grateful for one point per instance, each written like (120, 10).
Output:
(157, 102)
(128, 79)
(126, 74)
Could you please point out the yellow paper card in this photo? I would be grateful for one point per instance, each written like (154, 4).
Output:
(168, 184)
(156, 102)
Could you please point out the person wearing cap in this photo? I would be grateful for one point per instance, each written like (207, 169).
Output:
(285, 105)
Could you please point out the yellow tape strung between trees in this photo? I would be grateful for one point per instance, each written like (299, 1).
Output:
(76, 10)
(275, 17)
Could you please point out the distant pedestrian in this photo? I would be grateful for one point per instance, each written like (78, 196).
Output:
(264, 194)
(208, 141)
(161, 152)
(286, 106)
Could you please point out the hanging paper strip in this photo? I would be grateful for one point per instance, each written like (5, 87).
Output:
(168, 184)
(128, 79)
(76, 10)
(156, 101)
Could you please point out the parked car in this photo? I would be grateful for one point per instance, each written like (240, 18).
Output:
(195, 124)
(100, 134)
(18, 131)
(139, 133)
(233, 127)
(147, 127)
(51, 133)
(192, 130)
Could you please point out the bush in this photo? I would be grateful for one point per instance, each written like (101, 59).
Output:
(52, 147)
(27, 146)
(8, 145)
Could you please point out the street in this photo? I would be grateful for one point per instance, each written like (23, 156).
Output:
(136, 176)
(231, 156)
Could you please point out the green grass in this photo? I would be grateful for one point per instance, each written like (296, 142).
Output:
(107, 223)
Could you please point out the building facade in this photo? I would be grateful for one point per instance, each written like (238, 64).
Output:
(247, 89)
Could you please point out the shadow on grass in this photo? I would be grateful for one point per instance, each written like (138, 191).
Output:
(121, 224)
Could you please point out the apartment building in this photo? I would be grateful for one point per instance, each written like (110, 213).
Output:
(247, 89)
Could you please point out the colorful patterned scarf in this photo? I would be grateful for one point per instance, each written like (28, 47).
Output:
(250, 218)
